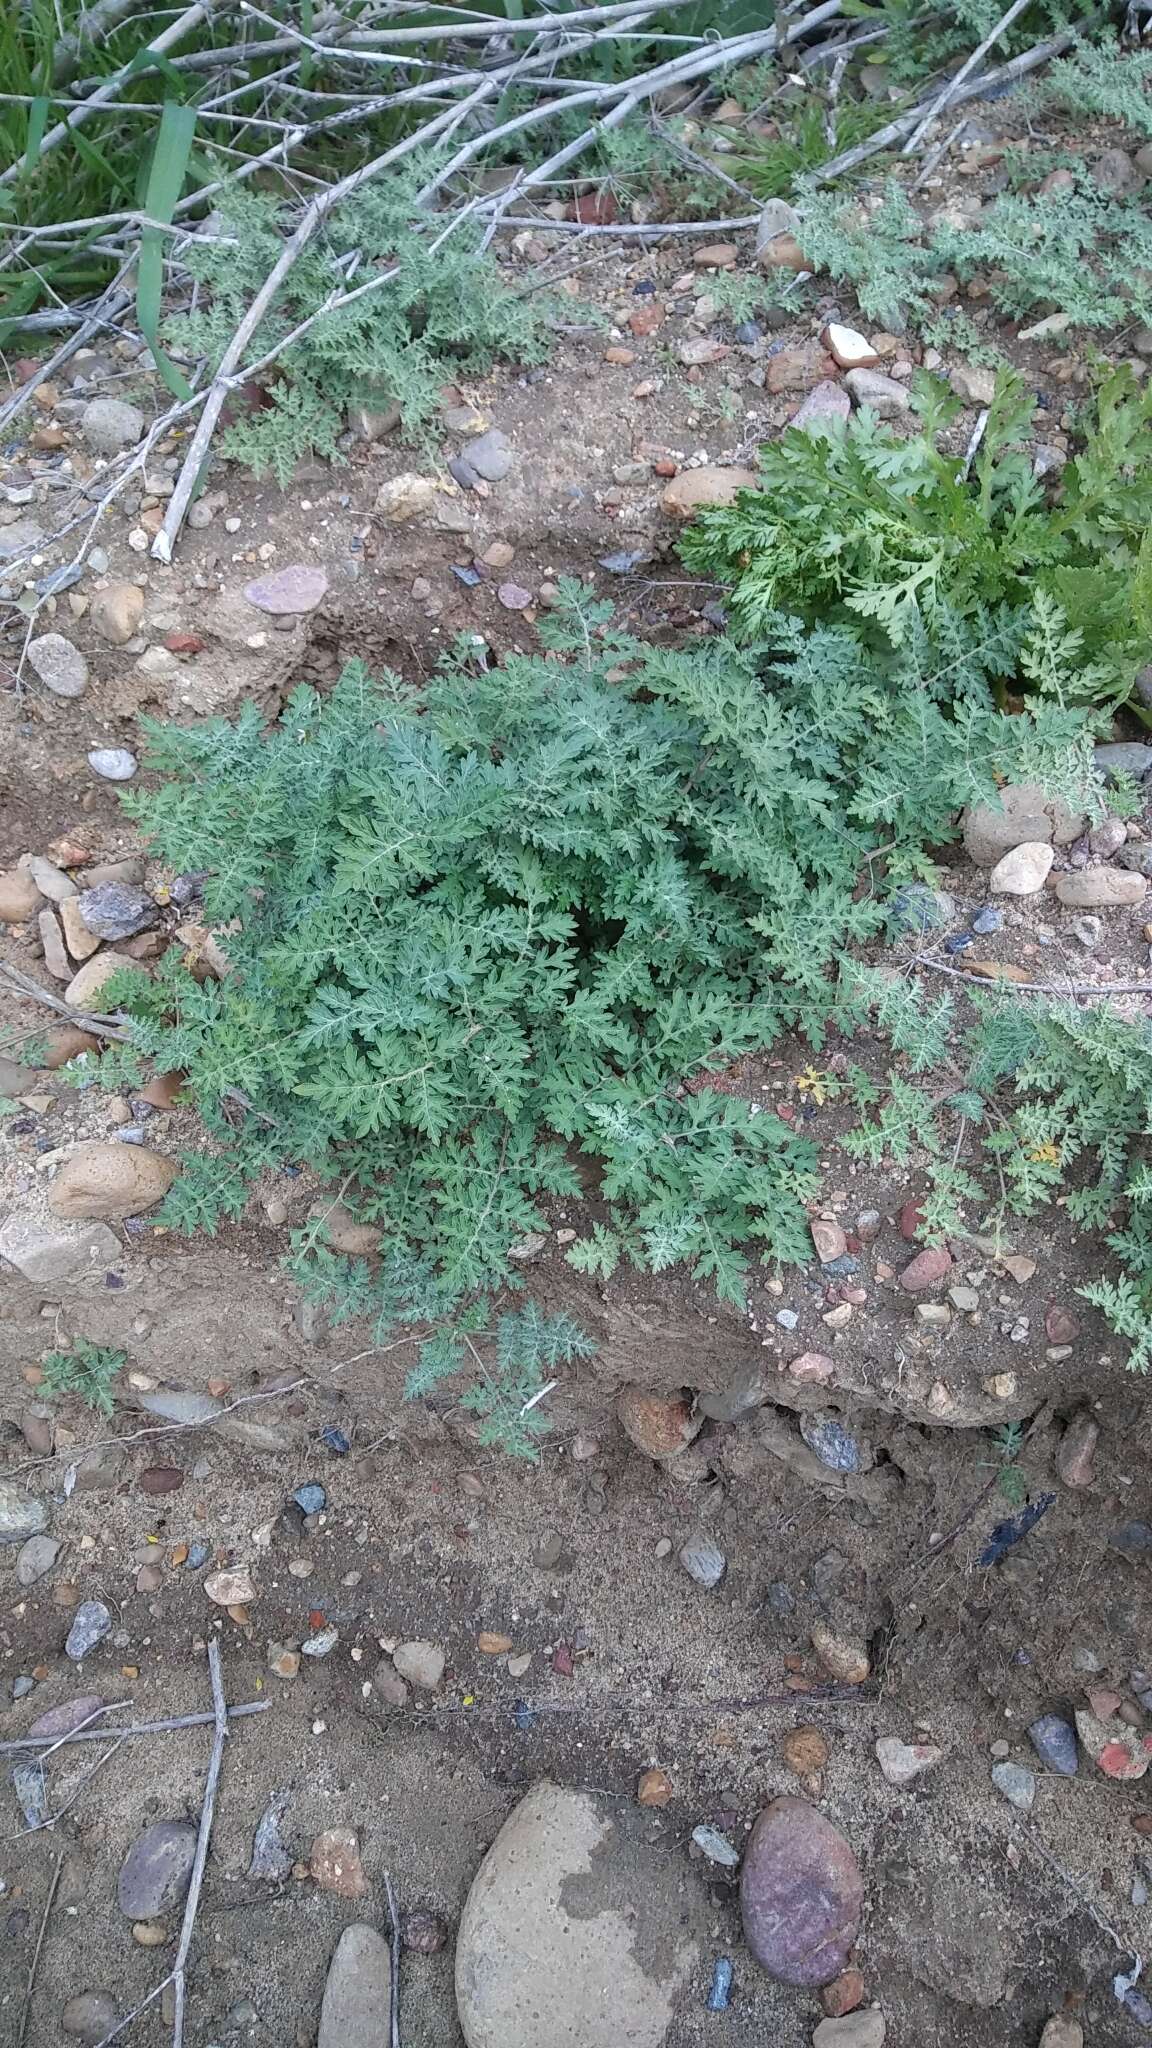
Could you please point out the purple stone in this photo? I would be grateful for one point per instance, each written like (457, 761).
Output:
(296, 589)
(65, 1718)
(801, 1893)
(155, 1873)
(826, 401)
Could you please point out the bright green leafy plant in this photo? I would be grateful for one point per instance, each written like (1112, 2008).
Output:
(86, 1369)
(488, 938)
(855, 522)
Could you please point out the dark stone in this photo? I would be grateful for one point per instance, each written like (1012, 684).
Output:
(115, 911)
(1054, 1741)
(1124, 757)
(155, 1873)
(801, 1894)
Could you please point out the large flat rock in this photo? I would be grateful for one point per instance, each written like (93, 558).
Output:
(577, 1933)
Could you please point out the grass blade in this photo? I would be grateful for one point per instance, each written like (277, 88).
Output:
(165, 183)
(37, 122)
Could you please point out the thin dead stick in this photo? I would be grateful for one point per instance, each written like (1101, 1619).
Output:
(895, 131)
(937, 155)
(207, 1811)
(653, 230)
(310, 222)
(947, 95)
(975, 439)
(97, 1714)
(395, 1947)
(209, 1422)
(87, 1020)
(26, 2008)
(1042, 988)
(136, 1728)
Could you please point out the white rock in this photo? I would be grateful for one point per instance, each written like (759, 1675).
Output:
(853, 351)
(855, 2030)
(901, 1762)
(1023, 871)
(421, 1663)
(110, 424)
(115, 764)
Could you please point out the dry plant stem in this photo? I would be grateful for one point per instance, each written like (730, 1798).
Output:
(395, 1947)
(654, 231)
(242, 1401)
(207, 1811)
(1004, 74)
(174, 1721)
(108, 90)
(1042, 988)
(311, 220)
(26, 2008)
(947, 95)
(105, 313)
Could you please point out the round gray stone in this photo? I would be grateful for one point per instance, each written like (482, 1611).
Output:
(490, 455)
(110, 424)
(60, 666)
(154, 1874)
(356, 1995)
(115, 764)
(89, 2016)
(36, 1557)
(576, 1934)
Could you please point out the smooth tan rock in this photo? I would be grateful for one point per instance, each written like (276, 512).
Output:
(694, 489)
(19, 897)
(783, 252)
(342, 1231)
(107, 1181)
(1101, 888)
(81, 943)
(231, 1587)
(84, 988)
(1026, 814)
(116, 611)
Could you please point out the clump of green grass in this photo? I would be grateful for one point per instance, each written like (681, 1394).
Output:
(86, 1369)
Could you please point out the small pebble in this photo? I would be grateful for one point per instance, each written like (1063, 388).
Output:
(1017, 1783)
(1054, 1741)
(716, 1847)
(114, 764)
(703, 1562)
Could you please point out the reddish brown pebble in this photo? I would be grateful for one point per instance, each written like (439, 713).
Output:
(335, 1863)
(562, 1660)
(1060, 1325)
(424, 1933)
(911, 1220)
(492, 1645)
(654, 1788)
(927, 1269)
(658, 1424)
(1077, 1450)
(665, 466)
(828, 1239)
(161, 1479)
(1142, 1823)
(844, 1994)
(646, 319)
(805, 1751)
(811, 1365)
(183, 643)
(163, 1091)
(620, 355)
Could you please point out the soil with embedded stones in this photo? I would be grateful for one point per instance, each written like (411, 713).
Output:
(650, 1599)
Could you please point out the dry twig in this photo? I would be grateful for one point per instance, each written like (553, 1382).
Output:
(85, 1734)
(26, 2008)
